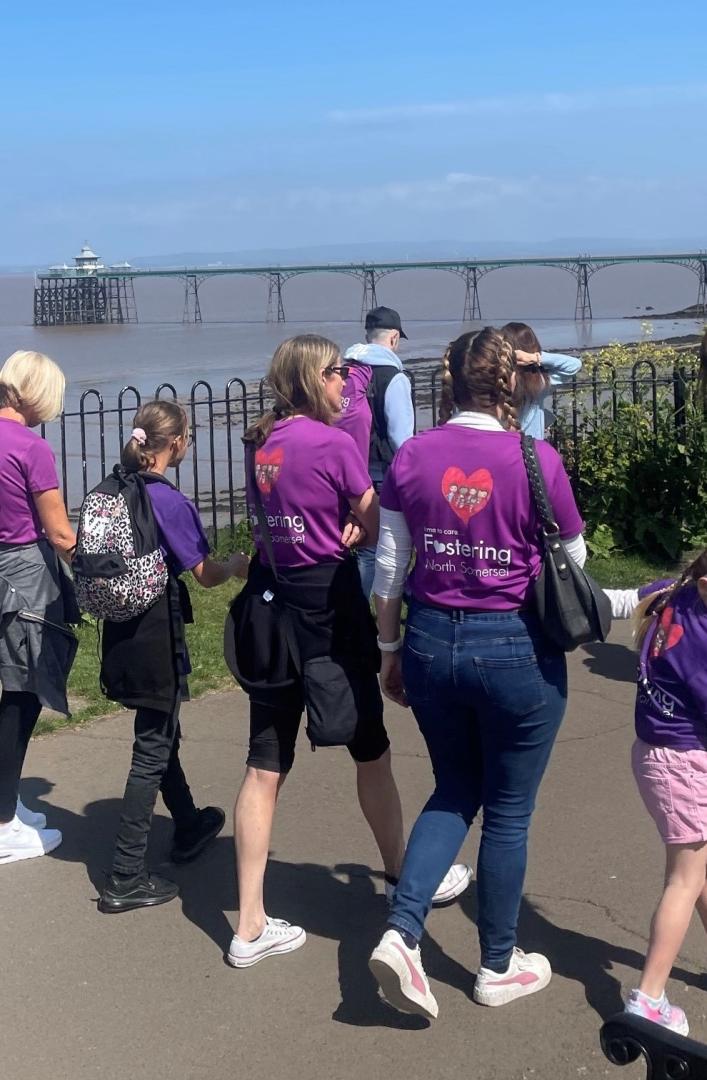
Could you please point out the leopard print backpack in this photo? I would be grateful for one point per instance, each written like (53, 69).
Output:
(118, 567)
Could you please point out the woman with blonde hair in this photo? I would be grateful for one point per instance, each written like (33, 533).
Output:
(487, 689)
(36, 597)
(305, 477)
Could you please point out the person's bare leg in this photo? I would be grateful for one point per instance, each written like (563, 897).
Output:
(252, 826)
(379, 799)
(701, 905)
(684, 885)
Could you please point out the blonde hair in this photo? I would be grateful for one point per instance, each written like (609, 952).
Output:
(295, 380)
(34, 385)
(477, 370)
(162, 422)
(652, 606)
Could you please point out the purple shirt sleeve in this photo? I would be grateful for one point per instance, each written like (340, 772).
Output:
(40, 467)
(346, 467)
(181, 532)
(654, 587)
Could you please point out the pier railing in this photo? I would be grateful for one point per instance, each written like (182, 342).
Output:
(89, 435)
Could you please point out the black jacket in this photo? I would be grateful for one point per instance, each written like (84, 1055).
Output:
(144, 660)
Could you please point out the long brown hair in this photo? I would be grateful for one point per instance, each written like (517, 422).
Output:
(476, 373)
(295, 380)
(651, 607)
(162, 422)
(530, 381)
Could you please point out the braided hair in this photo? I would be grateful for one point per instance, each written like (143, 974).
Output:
(652, 606)
(477, 373)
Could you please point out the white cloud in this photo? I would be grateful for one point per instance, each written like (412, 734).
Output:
(639, 97)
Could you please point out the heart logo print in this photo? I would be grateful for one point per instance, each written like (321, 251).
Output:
(267, 468)
(467, 495)
(667, 635)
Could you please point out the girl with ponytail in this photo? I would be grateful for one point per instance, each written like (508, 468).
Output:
(145, 664)
(488, 691)
(669, 760)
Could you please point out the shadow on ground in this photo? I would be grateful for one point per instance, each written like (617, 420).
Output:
(341, 905)
(611, 660)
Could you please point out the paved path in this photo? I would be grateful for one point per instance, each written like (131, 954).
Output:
(147, 995)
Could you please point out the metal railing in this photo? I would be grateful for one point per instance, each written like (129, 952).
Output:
(89, 436)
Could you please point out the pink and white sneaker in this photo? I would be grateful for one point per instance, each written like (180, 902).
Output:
(401, 976)
(526, 974)
(658, 1012)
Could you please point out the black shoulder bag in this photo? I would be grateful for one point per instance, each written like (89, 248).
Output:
(572, 608)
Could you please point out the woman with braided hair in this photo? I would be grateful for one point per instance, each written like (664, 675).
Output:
(487, 689)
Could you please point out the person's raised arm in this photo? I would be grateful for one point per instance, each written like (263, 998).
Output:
(55, 522)
(559, 366)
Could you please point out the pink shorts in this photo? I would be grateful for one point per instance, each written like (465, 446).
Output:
(673, 785)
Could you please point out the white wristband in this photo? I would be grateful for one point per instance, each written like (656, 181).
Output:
(390, 646)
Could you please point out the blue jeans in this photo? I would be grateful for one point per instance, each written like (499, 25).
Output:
(367, 569)
(488, 692)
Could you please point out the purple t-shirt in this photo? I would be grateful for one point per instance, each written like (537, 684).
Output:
(306, 473)
(27, 467)
(671, 703)
(182, 537)
(355, 416)
(465, 497)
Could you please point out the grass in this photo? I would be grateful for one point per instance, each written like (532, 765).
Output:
(205, 639)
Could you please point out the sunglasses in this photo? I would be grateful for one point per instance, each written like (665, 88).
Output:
(342, 370)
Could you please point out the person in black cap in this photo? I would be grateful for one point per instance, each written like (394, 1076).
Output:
(378, 411)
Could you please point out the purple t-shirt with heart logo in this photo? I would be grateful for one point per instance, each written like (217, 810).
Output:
(671, 703)
(306, 473)
(355, 416)
(465, 496)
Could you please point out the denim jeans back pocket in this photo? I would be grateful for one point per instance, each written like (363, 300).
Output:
(416, 665)
(513, 684)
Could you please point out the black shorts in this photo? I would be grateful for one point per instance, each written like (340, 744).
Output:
(275, 721)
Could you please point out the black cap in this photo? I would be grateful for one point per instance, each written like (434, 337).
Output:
(384, 318)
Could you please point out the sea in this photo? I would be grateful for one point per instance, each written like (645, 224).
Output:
(235, 339)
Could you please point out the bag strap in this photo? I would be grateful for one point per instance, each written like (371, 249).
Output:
(265, 534)
(538, 486)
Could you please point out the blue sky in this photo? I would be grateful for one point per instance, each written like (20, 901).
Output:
(149, 127)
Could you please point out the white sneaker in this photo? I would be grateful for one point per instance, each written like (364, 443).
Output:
(526, 974)
(401, 976)
(452, 885)
(19, 841)
(277, 937)
(29, 817)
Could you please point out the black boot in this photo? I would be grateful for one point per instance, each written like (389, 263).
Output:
(188, 843)
(144, 890)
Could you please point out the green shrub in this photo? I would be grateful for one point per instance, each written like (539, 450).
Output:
(640, 480)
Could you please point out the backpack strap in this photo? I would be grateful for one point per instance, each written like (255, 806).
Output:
(382, 451)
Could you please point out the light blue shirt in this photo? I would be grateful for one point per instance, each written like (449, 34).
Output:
(560, 369)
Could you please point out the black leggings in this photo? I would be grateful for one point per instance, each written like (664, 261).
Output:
(19, 712)
(155, 768)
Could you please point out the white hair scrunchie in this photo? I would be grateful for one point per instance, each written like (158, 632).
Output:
(138, 434)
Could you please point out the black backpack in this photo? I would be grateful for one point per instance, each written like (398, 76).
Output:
(119, 570)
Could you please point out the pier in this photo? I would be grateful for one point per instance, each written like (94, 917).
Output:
(89, 292)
